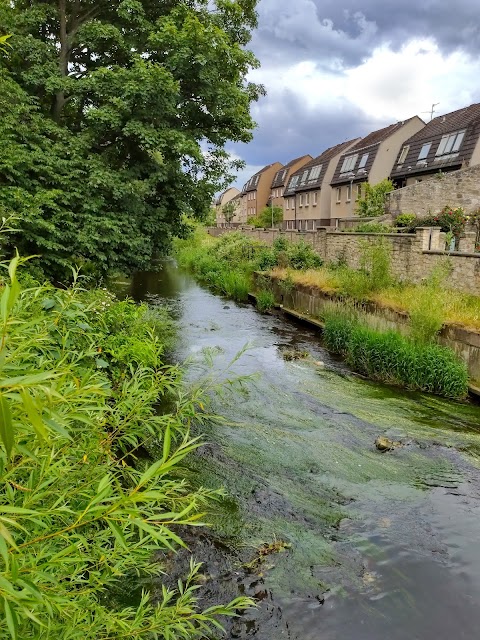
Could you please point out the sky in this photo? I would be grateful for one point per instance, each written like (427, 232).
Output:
(335, 70)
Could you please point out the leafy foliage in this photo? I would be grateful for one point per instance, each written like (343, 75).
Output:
(267, 218)
(80, 512)
(117, 114)
(373, 199)
(392, 358)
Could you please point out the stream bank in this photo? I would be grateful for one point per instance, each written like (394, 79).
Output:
(382, 544)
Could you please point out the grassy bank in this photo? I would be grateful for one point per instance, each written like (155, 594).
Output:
(227, 264)
(91, 479)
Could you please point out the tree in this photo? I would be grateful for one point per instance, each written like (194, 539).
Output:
(130, 104)
(228, 211)
(373, 200)
(268, 217)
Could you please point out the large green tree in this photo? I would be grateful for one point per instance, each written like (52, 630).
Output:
(118, 116)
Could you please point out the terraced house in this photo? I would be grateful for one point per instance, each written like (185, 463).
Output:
(370, 160)
(281, 179)
(307, 196)
(256, 192)
(447, 143)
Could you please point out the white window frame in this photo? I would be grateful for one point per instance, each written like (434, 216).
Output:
(359, 191)
(450, 143)
(254, 195)
(292, 204)
(315, 172)
(363, 161)
(300, 200)
(404, 154)
(349, 193)
(314, 203)
(349, 163)
(287, 207)
(339, 195)
(307, 199)
(424, 151)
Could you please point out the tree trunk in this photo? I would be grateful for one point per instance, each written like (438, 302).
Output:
(62, 60)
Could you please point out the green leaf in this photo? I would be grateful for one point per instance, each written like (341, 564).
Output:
(33, 415)
(6, 426)
(48, 304)
(11, 619)
(101, 363)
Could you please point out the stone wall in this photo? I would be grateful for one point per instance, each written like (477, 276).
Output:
(414, 256)
(458, 188)
(311, 302)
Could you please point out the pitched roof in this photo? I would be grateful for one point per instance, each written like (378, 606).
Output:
(363, 154)
(302, 181)
(252, 183)
(282, 174)
(466, 119)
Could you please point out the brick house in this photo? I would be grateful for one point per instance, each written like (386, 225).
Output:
(256, 192)
(370, 160)
(231, 194)
(445, 144)
(281, 179)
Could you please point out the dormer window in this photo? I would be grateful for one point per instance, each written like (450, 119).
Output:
(424, 151)
(450, 143)
(293, 182)
(363, 161)
(349, 163)
(304, 177)
(404, 154)
(315, 172)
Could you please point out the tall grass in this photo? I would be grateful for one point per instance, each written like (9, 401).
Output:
(389, 357)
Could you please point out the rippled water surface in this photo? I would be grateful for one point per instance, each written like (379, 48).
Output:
(383, 546)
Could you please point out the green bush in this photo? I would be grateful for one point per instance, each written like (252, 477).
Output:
(301, 256)
(81, 515)
(265, 300)
(405, 219)
(373, 227)
(389, 357)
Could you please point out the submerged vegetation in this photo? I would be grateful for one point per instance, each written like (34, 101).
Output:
(91, 483)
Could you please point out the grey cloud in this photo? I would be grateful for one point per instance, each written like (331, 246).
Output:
(342, 35)
(287, 128)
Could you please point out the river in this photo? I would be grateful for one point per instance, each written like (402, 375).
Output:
(377, 545)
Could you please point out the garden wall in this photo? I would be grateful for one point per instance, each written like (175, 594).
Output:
(312, 302)
(455, 189)
(414, 255)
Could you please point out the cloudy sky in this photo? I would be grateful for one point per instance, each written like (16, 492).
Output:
(335, 70)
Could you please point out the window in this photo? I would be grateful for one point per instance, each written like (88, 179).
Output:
(349, 163)
(424, 151)
(293, 182)
(359, 191)
(304, 177)
(287, 207)
(281, 193)
(255, 182)
(254, 195)
(339, 194)
(314, 198)
(300, 202)
(450, 143)
(307, 199)
(349, 192)
(315, 172)
(292, 203)
(363, 161)
(404, 154)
